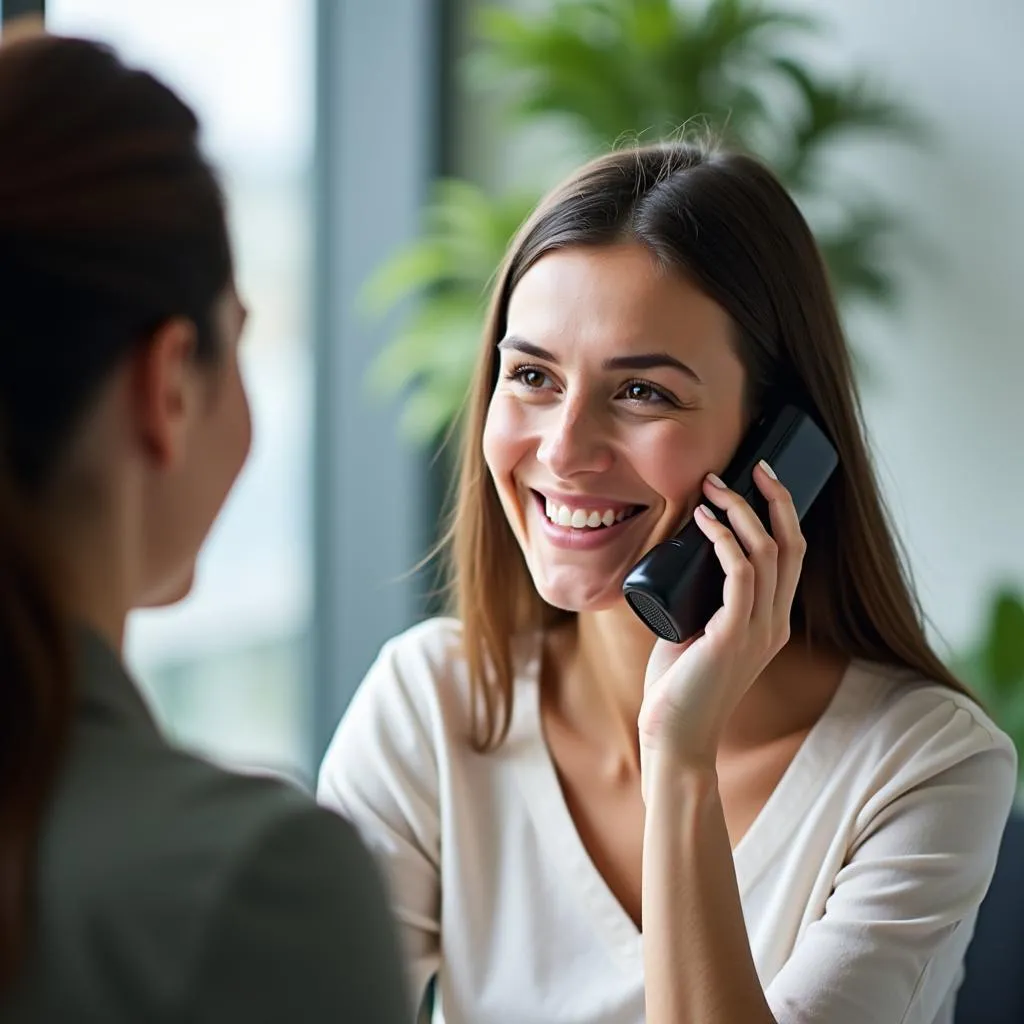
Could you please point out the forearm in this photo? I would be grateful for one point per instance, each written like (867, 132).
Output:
(697, 960)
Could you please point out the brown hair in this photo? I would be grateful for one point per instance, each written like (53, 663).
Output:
(725, 221)
(111, 223)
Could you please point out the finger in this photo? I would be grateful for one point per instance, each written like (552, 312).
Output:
(755, 539)
(792, 545)
(738, 592)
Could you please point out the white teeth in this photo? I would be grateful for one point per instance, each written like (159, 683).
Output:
(580, 518)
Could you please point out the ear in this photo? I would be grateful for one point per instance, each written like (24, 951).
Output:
(164, 390)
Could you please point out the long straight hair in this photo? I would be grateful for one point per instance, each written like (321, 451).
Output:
(111, 223)
(726, 222)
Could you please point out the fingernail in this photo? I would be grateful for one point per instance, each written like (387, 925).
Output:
(715, 481)
(707, 511)
(768, 469)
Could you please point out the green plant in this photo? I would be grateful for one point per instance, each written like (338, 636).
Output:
(994, 666)
(464, 239)
(612, 70)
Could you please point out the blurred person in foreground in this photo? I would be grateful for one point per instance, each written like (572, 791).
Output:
(137, 883)
(792, 817)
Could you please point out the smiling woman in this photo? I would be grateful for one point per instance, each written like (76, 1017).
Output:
(793, 816)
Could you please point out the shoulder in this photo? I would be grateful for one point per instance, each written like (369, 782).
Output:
(169, 827)
(259, 850)
(420, 682)
(155, 861)
(914, 731)
(419, 677)
(409, 726)
(410, 708)
(270, 834)
(297, 921)
(914, 711)
(431, 649)
(287, 846)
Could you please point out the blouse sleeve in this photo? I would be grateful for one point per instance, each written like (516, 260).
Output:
(381, 773)
(902, 910)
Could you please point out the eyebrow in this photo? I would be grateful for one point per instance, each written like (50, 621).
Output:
(643, 361)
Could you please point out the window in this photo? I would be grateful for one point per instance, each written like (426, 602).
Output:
(227, 669)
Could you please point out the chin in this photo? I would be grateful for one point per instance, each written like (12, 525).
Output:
(574, 597)
(170, 592)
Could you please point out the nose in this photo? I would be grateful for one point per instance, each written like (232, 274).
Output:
(574, 442)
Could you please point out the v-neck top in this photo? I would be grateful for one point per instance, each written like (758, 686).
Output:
(860, 878)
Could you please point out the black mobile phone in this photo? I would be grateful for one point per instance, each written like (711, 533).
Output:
(677, 586)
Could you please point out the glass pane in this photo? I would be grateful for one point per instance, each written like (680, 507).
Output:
(227, 669)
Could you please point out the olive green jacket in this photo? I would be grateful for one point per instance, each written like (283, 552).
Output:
(172, 891)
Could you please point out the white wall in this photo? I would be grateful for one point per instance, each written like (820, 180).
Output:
(948, 417)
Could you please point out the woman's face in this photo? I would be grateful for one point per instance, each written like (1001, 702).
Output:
(619, 389)
(212, 438)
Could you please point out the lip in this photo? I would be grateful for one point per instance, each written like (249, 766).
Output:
(572, 539)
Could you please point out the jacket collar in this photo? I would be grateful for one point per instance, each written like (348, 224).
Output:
(104, 687)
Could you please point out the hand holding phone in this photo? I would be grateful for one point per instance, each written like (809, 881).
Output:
(677, 586)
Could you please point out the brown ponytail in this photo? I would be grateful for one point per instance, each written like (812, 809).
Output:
(35, 706)
(111, 223)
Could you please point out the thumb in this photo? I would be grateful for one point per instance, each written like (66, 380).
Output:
(664, 655)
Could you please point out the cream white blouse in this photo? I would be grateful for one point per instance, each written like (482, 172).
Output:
(860, 879)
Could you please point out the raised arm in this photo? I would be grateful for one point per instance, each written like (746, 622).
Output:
(902, 908)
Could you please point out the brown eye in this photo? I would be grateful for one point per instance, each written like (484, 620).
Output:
(530, 377)
(643, 392)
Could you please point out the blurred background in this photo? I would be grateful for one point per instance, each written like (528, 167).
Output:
(377, 156)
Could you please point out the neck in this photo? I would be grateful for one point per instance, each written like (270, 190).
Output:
(597, 665)
(599, 661)
(90, 543)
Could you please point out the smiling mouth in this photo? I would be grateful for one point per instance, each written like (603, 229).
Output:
(584, 519)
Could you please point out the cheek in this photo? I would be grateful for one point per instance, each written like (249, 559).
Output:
(176, 589)
(237, 417)
(505, 440)
(228, 435)
(246, 420)
(506, 446)
(673, 464)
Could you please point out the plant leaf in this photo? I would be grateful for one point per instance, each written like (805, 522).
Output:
(416, 268)
(1004, 646)
(439, 342)
(606, 71)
